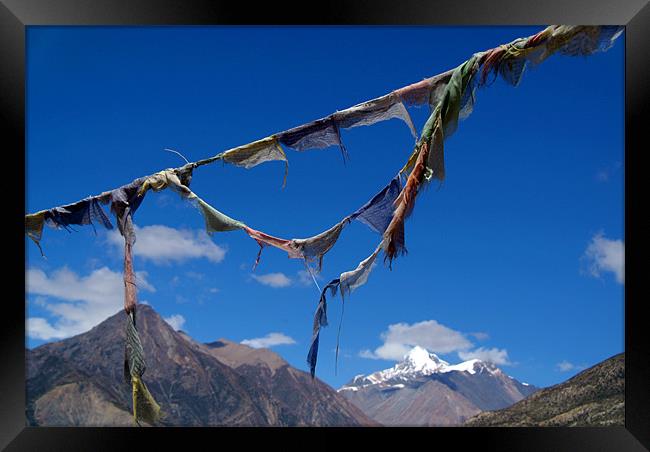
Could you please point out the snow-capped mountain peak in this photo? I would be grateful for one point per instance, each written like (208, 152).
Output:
(418, 362)
(422, 389)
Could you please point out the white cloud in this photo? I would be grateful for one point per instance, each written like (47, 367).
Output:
(480, 336)
(176, 321)
(493, 355)
(269, 340)
(40, 328)
(566, 366)
(604, 255)
(273, 279)
(81, 301)
(162, 244)
(213, 290)
(429, 334)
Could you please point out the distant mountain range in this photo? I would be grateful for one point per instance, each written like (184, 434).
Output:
(424, 390)
(594, 397)
(79, 382)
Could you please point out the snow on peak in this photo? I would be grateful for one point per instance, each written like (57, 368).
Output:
(467, 366)
(419, 362)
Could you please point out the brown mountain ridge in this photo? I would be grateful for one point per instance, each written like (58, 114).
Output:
(595, 397)
(79, 382)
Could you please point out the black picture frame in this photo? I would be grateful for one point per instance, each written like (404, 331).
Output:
(16, 15)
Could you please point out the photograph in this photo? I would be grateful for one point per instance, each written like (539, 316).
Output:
(325, 226)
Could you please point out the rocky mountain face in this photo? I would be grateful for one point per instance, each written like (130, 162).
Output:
(79, 381)
(594, 397)
(424, 390)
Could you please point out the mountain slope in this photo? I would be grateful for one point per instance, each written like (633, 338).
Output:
(299, 399)
(425, 390)
(594, 397)
(79, 381)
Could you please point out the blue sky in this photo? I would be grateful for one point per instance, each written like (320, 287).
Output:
(516, 257)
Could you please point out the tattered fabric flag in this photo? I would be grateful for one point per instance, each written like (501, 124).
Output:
(504, 60)
(377, 213)
(580, 40)
(310, 249)
(455, 102)
(124, 202)
(145, 407)
(320, 320)
(510, 60)
(260, 151)
(318, 134)
(34, 227)
(351, 281)
(263, 240)
(356, 278)
(427, 91)
(216, 221)
(83, 212)
(393, 242)
(314, 248)
(162, 180)
(373, 111)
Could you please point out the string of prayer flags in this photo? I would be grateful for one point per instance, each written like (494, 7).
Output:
(450, 96)
(310, 249)
(510, 60)
(326, 132)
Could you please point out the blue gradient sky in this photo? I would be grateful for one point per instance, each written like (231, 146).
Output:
(534, 177)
